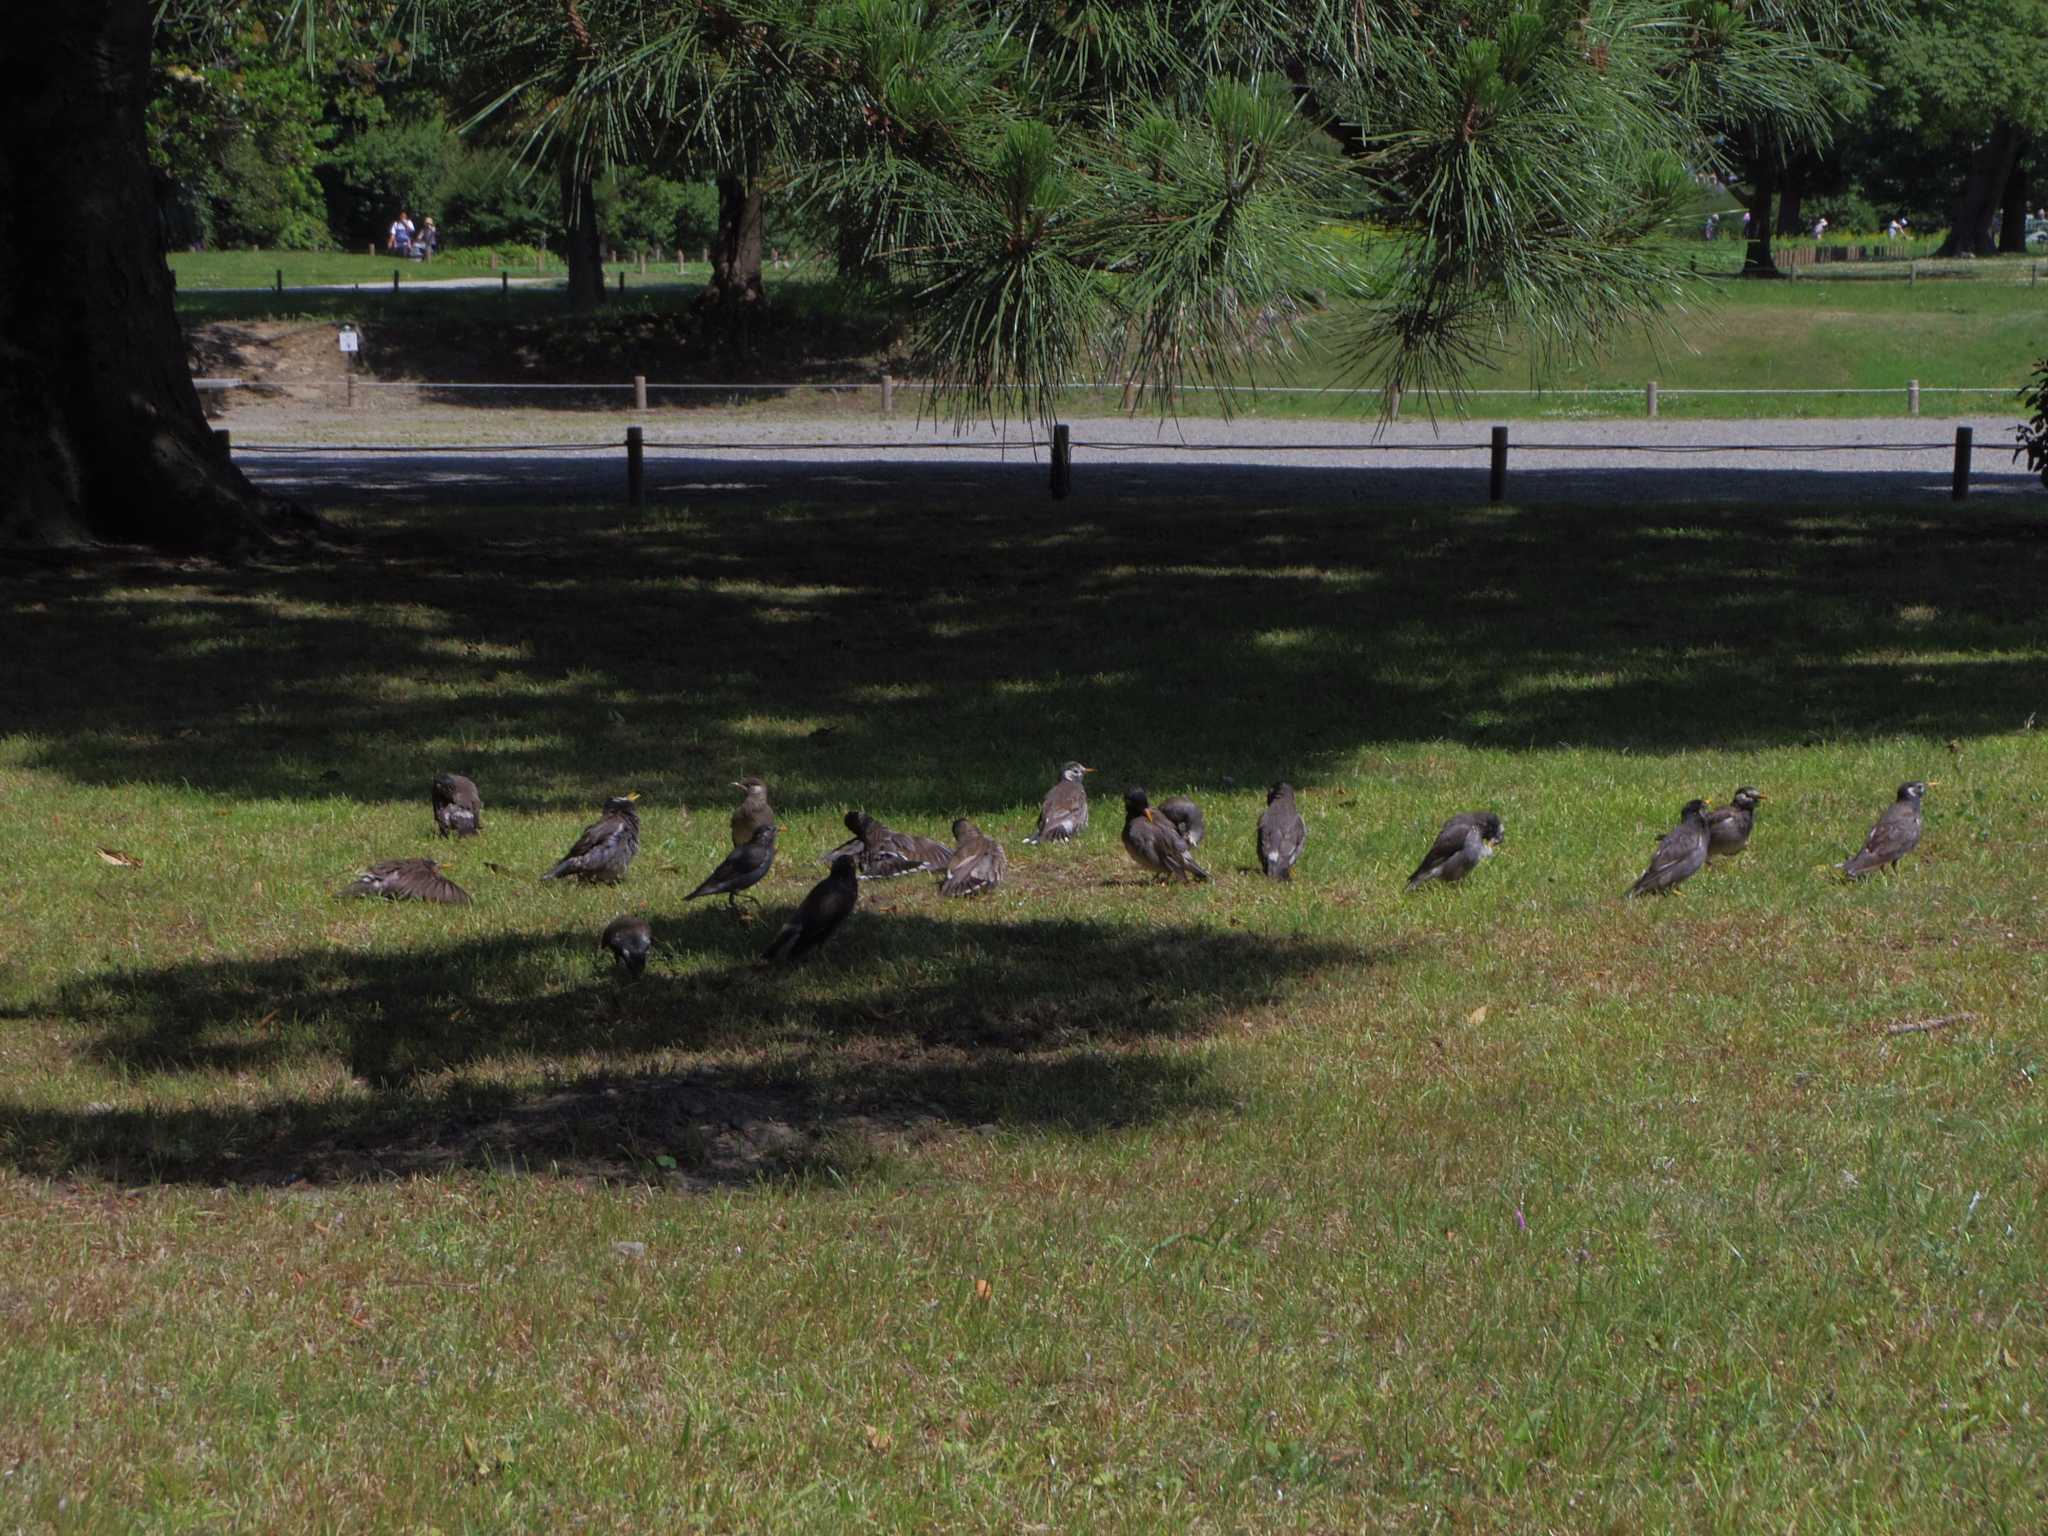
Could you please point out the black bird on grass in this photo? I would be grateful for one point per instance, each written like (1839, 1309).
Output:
(1465, 842)
(408, 880)
(827, 906)
(1729, 827)
(1896, 834)
(600, 856)
(458, 808)
(746, 866)
(1187, 817)
(978, 862)
(629, 939)
(1680, 853)
(882, 853)
(1282, 833)
(1154, 842)
(1063, 813)
(754, 811)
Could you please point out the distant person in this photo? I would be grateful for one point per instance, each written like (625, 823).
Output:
(399, 242)
(1820, 228)
(1713, 225)
(427, 244)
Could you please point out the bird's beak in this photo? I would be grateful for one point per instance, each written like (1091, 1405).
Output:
(1148, 814)
(736, 784)
(634, 796)
(1934, 783)
(1086, 769)
(1761, 795)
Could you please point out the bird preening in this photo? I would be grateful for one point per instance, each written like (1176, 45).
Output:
(1464, 842)
(1729, 828)
(883, 853)
(1155, 843)
(458, 808)
(408, 880)
(629, 939)
(1680, 854)
(601, 855)
(978, 862)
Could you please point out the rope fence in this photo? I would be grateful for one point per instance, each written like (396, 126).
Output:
(1062, 445)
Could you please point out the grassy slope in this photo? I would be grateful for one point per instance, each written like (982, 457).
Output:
(1813, 334)
(1298, 1207)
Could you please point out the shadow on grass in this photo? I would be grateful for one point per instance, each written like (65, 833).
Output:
(904, 1022)
(939, 653)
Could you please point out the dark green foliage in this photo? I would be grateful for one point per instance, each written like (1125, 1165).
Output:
(2033, 434)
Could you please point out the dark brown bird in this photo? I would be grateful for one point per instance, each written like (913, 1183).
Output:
(1680, 854)
(1155, 843)
(746, 866)
(1466, 841)
(629, 939)
(882, 853)
(1186, 817)
(458, 808)
(978, 862)
(1063, 813)
(1282, 834)
(827, 906)
(1728, 828)
(754, 811)
(1896, 834)
(408, 880)
(606, 847)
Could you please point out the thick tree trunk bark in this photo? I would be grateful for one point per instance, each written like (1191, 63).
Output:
(1757, 261)
(1792, 193)
(101, 432)
(584, 242)
(736, 254)
(2012, 231)
(1969, 228)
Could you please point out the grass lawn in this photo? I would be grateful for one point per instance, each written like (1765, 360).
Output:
(1970, 342)
(1091, 1204)
(204, 271)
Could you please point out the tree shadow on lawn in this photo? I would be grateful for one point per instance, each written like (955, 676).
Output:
(931, 657)
(903, 1023)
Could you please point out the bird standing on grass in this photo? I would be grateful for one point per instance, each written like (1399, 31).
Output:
(1896, 834)
(629, 939)
(408, 880)
(882, 853)
(1063, 813)
(978, 862)
(746, 866)
(606, 847)
(754, 811)
(1679, 854)
(1728, 828)
(1154, 842)
(458, 808)
(1465, 842)
(1186, 817)
(823, 910)
(1282, 834)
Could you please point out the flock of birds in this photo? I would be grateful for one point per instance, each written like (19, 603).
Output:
(1161, 838)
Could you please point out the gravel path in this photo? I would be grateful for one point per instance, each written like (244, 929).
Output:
(1606, 461)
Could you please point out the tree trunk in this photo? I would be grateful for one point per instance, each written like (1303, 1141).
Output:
(736, 253)
(100, 428)
(1791, 193)
(1969, 227)
(1757, 261)
(2012, 232)
(581, 238)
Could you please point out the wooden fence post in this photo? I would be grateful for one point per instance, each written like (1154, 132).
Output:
(639, 391)
(888, 394)
(1650, 399)
(1912, 397)
(636, 468)
(1062, 462)
(221, 444)
(1497, 469)
(1959, 486)
(1393, 402)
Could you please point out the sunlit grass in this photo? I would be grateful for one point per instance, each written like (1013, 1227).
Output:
(1089, 1204)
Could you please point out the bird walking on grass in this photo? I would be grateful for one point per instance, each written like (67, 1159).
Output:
(823, 910)
(1680, 854)
(1465, 842)
(408, 880)
(1896, 834)
(1282, 834)
(1154, 842)
(742, 869)
(754, 811)
(629, 939)
(458, 808)
(1063, 813)
(1728, 828)
(978, 862)
(600, 856)
(882, 853)
(1186, 817)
